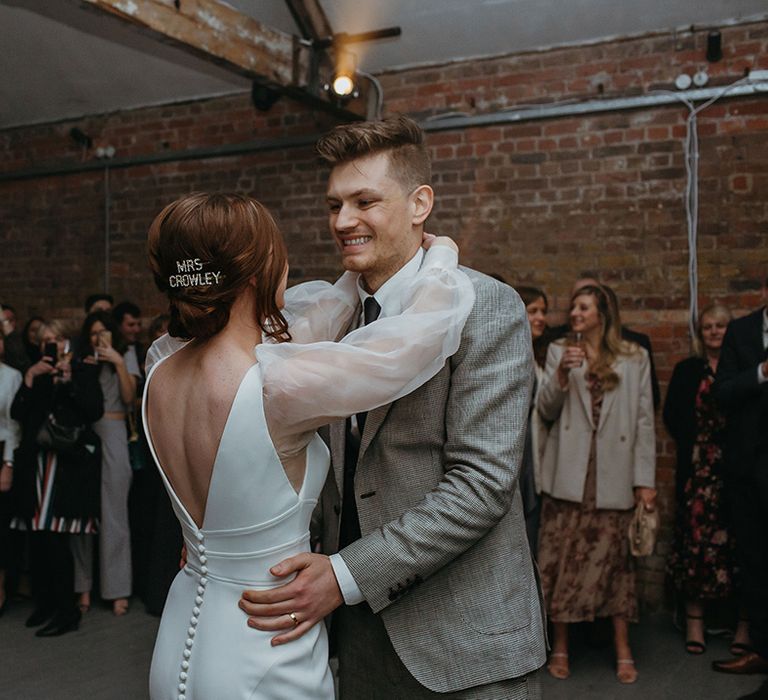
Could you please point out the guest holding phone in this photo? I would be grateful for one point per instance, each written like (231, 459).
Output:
(56, 474)
(101, 344)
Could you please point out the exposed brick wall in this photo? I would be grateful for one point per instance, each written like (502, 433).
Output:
(538, 201)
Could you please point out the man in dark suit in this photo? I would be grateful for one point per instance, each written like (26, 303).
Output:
(742, 388)
(627, 334)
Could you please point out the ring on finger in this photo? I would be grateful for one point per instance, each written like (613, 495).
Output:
(295, 619)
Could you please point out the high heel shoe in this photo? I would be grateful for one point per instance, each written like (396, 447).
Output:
(693, 646)
(61, 624)
(626, 671)
(561, 670)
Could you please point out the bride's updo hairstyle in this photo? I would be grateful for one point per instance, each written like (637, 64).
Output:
(203, 249)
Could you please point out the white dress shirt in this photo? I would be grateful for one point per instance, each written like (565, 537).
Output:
(389, 298)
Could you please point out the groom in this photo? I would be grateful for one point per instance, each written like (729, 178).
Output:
(432, 576)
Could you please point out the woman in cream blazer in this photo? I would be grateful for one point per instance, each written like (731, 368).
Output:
(626, 443)
(599, 458)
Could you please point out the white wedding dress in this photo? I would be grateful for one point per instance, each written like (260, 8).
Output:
(253, 516)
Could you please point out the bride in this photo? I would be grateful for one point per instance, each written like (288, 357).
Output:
(231, 414)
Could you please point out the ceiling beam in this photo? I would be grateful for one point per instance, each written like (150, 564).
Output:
(222, 34)
(310, 18)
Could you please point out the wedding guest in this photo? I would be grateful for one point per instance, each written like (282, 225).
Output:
(627, 334)
(56, 481)
(701, 563)
(98, 302)
(10, 436)
(93, 302)
(599, 460)
(158, 326)
(536, 306)
(128, 318)
(741, 387)
(29, 338)
(15, 355)
(101, 342)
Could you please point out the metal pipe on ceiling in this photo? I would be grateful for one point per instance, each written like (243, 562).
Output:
(436, 123)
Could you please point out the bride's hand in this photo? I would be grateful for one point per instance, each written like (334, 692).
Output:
(428, 240)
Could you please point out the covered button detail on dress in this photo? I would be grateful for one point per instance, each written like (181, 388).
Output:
(193, 621)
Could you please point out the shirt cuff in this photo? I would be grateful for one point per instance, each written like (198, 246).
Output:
(349, 588)
(761, 378)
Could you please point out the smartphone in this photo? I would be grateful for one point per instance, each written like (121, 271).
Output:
(51, 351)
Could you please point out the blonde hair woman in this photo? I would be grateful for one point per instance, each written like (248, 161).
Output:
(598, 460)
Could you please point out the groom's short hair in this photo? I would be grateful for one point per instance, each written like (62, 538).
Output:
(400, 137)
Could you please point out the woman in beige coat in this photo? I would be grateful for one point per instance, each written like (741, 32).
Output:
(598, 460)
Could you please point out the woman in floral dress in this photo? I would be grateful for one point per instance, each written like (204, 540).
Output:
(701, 563)
(599, 460)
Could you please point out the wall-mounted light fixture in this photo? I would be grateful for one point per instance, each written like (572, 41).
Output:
(80, 137)
(714, 46)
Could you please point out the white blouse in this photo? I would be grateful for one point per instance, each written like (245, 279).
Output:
(313, 380)
(10, 430)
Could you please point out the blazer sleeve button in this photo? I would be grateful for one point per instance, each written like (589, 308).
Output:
(623, 438)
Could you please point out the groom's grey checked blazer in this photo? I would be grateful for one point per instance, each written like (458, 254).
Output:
(443, 556)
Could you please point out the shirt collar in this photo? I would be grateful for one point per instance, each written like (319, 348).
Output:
(388, 295)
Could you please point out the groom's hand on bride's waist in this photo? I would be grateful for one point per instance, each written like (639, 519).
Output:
(295, 607)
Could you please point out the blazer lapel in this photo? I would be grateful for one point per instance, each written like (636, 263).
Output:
(372, 424)
(580, 381)
(338, 432)
(608, 398)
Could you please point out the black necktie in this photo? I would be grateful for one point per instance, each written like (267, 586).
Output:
(350, 524)
(371, 311)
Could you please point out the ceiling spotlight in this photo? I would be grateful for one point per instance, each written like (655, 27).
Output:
(344, 86)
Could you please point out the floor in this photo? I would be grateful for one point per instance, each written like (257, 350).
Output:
(108, 659)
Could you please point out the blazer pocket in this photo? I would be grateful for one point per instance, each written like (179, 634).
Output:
(490, 584)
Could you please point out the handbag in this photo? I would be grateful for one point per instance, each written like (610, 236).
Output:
(56, 437)
(642, 531)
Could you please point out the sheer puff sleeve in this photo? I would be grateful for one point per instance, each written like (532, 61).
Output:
(318, 311)
(309, 385)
